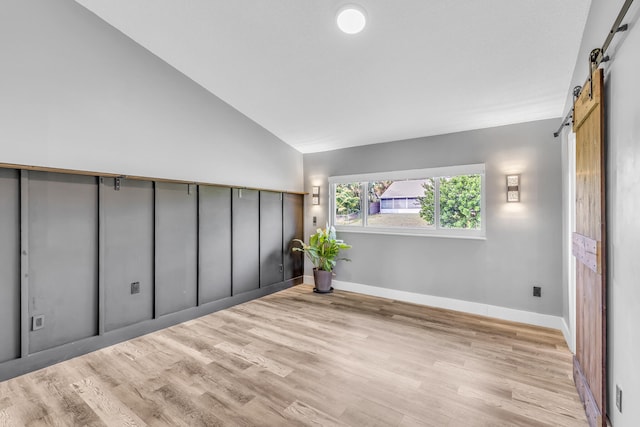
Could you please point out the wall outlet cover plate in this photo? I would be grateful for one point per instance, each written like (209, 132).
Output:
(37, 322)
(135, 288)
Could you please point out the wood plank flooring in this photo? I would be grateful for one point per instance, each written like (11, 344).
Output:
(298, 358)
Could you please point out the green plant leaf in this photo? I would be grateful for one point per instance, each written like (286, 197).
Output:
(323, 248)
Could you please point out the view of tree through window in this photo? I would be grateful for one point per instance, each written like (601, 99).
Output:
(460, 202)
(447, 201)
(348, 204)
(428, 202)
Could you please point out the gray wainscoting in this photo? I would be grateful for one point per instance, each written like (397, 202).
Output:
(271, 267)
(246, 240)
(89, 261)
(176, 247)
(215, 243)
(126, 230)
(63, 258)
(9, 264)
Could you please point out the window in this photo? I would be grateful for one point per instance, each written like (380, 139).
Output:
(441, 201)
(348, 203)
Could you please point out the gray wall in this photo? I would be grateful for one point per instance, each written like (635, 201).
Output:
(523, 244)
(78, 94)
(245, 246)
(127, 244)
(9, 264)
(176, 247)
(214, 221)
(293, 225)
(63, 257)
(271, 259)
(622, 127)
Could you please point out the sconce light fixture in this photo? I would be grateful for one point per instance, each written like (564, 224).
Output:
(315, 195)
(513, 188)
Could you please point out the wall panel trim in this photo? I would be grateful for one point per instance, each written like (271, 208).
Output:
(101, 258)
(136, 177)
(24, 263)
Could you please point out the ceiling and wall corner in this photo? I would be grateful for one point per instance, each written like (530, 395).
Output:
(418, 68)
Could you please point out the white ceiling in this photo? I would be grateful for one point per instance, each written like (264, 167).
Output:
(420, 67)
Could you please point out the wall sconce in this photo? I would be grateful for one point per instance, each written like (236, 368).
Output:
(513, 188)
(315, 195)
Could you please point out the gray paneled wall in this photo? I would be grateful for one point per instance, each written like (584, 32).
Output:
(176, 247)
(9, 264)
(127, 225)
(63, 258)
(107, 259)
(214, 243)
(292, 224)
(271, 268)
(246, 240)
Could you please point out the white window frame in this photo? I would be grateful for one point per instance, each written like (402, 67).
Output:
(435, 230)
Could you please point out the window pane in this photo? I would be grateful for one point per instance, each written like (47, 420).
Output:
(348, 205)
(401, 203)
(460, 202)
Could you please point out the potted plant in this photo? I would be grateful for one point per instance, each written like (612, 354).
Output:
(323, 250)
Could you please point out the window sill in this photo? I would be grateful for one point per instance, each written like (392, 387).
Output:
(451, 234)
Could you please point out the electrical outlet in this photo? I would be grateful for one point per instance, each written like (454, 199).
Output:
(618, 398)
(537, 291)
(135, 288)
(37, 322)
(315, 221)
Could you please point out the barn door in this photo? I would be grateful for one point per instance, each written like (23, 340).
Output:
(589, 367)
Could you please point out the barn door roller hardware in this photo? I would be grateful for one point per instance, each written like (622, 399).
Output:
(596, 57)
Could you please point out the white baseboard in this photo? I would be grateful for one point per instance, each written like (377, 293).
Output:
(504, 313)
(567, 334)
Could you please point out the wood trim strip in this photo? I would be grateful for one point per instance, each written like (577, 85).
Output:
(136, 177)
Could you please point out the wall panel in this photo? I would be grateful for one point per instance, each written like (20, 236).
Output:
(215, 243)
(271, 267)
(176, 247)
(292, 219)
(63, 258)
(87, 241)
(127, 235)
(9, 264)
(246, 240)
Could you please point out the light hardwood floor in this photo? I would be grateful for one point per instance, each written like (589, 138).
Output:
(298, 358)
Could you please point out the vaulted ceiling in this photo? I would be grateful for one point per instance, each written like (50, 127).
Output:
(419, 68)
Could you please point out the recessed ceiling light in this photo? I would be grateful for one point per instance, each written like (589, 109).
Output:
(351, 19)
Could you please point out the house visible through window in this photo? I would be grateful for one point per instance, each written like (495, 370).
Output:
(441, 201)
